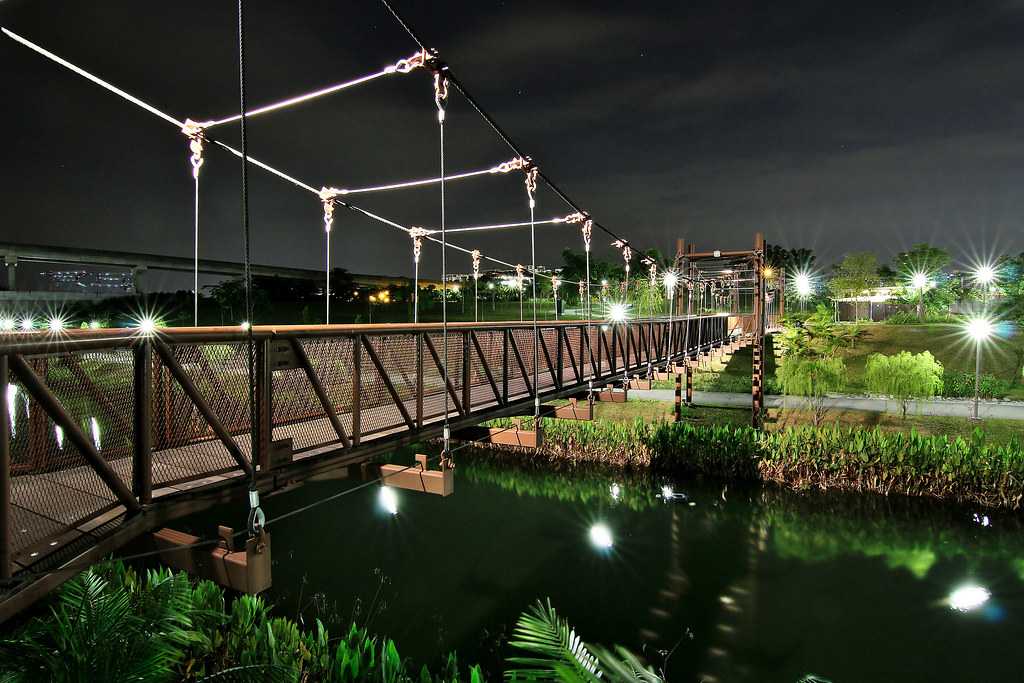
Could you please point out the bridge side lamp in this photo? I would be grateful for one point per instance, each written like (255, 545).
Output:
(494, 295)
(27, 324)
(55, 324)
(7, 324)
(979, 329)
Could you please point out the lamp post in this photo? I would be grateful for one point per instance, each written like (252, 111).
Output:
(670, 279)
(802, 283)
(920, 281)
(985, 275)
(979, 329)
(490, 286)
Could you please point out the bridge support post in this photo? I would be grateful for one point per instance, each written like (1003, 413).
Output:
(5, 474)
(678, 407)
(142, 466)
(689, 383)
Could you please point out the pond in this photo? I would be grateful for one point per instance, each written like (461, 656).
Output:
(736, 583)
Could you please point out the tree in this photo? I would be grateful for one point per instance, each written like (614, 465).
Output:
(856, 274)
(792, 260)
(922, 258)
(904, 376)
(812, 378)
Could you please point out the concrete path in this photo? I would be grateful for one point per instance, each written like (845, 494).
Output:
(1004, 410)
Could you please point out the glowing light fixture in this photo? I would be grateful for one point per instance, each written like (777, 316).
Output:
(667, 493)
(768, 272)
(979, 328)
(616, 491)
(146, 325)
(618, 312)
(7, 324)
(985, 274)
(670, 279)
(802, 283)
(27, 324)
(969, 597)
(920, 281)
(55, 324)
(601, 537)
(245, 325)
(94, 324)
(388, 500)
(94, 427)
(58, 432)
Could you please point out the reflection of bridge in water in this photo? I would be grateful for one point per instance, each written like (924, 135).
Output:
(112, 434)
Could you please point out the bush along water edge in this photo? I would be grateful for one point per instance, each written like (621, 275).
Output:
(828, 457)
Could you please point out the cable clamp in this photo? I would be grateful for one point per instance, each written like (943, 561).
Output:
(257, 519)
(327, 197)
(404, 66)
(196, 134)
(417, 235)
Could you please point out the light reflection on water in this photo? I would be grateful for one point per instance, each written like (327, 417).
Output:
(738, 583)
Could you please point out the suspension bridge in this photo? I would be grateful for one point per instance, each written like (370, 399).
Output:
(106, 435)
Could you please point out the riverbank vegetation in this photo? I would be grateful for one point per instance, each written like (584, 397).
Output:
(965, 470)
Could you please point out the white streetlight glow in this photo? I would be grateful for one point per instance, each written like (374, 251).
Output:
(94, 324)
(979, 329)
(616, 491)
(618, 312)
(667, 493)
(27, 324)
(920, 281)
(389, 500)
(601, 537)
(245, 326)
(146, 325)
(671, 280)
(967, 598)
(55, 324)
(802, 282)
(7, 324)
(984, 274)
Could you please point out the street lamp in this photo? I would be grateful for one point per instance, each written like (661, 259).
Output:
(920, 281)
(802, 283)
(979, 329)
(985, 275)
(670, 279)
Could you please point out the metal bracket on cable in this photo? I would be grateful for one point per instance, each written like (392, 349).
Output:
(257, 519)
(196, 134)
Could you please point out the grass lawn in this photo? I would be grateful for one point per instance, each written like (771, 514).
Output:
(946, 342)
(997, 431)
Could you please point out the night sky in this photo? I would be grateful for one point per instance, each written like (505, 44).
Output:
(840, 126)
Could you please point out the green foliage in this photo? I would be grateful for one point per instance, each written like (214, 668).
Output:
(961, 385)
(904, 376)
(811, 377)
(854, 275)
(921, 258)
(908, 318)
(967, 470)
(557, 653)
(109, 624)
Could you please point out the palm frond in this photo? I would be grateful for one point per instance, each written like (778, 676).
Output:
(560, 654)
(620, 665)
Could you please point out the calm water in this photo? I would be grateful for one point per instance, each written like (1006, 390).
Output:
(739, 583)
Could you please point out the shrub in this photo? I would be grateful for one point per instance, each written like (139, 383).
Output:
(961, 385)
(811, 378)
(904, 376)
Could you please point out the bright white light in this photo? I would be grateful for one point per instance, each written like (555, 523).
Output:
(27, 324)
(671, 280)
(55, 324)
(601, 536)
(7, 324)
(984, 274)
(94, 324)
(490, 285)
(979, 328)
(12, 402)
(604, 283)
(245, 326)
(389, 500)
(802, 282)
(146, 325)
(616, 491)
(59, 432)
(618, 312)
(920, 281)
(667, 493)
(94, 426)
(967, 598)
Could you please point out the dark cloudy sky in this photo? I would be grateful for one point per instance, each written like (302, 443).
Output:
(840, 126)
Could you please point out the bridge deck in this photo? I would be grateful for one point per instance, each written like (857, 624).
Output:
(168, 420)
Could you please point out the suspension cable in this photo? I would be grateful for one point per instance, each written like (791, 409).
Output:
(501, 168)
(256, 518)
(440, 94)
(402, 66)
(531, 190)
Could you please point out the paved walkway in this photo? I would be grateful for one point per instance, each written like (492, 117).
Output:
(947, 407)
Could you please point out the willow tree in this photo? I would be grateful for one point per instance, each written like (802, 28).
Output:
(904, 376)
(812, 378)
